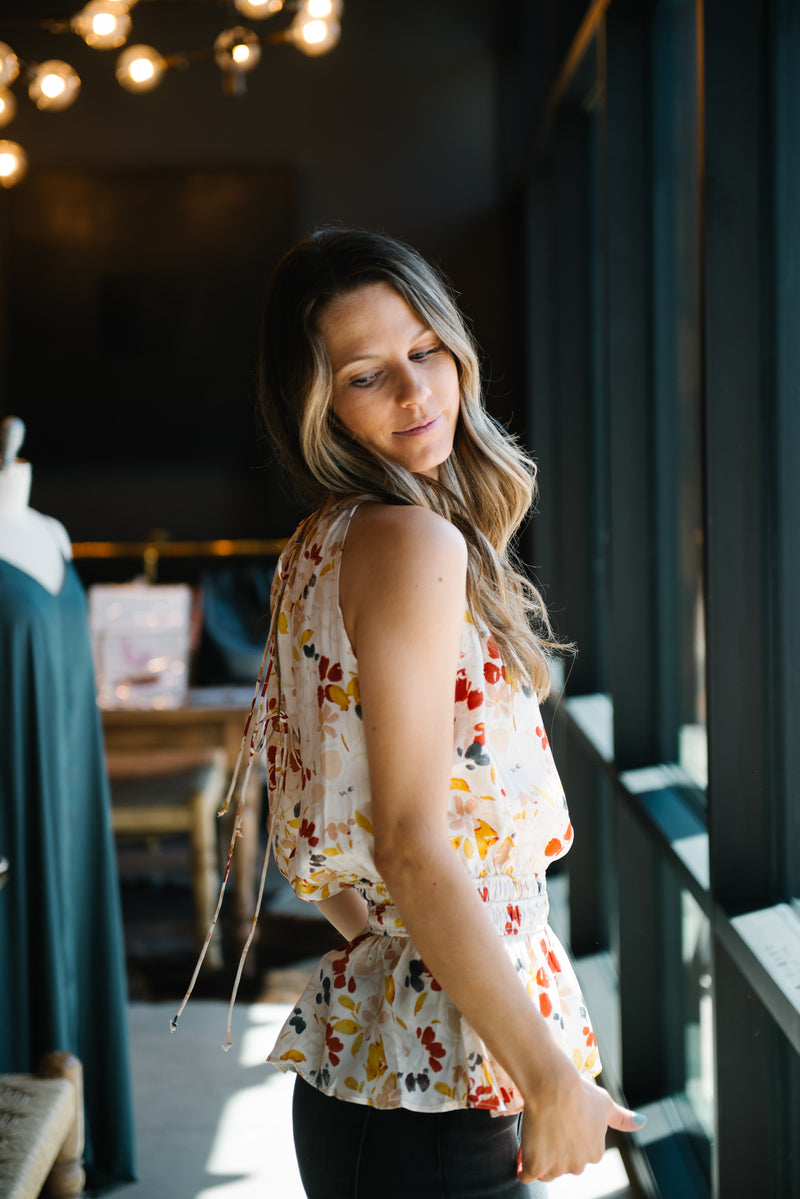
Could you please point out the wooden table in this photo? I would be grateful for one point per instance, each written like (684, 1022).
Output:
(212, 717)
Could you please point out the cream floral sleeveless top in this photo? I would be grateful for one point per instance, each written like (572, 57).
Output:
(372, 1025)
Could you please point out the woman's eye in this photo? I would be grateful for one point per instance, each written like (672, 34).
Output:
(421, 355)
(364, 380)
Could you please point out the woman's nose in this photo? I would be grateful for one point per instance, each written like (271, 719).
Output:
(411, 385)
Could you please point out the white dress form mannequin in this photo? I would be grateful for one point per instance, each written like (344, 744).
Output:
(30, 541)
(62, 958)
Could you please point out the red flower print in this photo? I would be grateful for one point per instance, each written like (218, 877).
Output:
(545, 1006)
(552, 847)
(333, 1045)
(480, 733)
(553, 962)
(513, 922)
(467, 694)
(543, 735)
(332, 671)
(491, 672)
(491, 646)
(339, 966)
(340, 980)
(432, 1047)
(307, 831)
(484, 1098)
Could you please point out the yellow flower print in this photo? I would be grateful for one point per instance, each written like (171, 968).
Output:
(376, 1061)
(484, 837)
(338, 695)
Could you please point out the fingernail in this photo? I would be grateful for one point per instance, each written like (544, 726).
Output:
(640, 1119)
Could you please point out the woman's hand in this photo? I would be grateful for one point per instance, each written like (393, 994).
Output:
(563, 1133)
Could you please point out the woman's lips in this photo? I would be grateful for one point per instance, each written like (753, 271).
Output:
(418, 429)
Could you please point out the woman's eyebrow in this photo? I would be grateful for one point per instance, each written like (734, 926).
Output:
(353, 358)
(369, 355)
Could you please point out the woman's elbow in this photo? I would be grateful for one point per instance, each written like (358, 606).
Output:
(403, 856)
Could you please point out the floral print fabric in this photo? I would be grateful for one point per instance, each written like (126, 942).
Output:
(373, 1025)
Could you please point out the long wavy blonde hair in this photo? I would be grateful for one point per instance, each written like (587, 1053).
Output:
(487, 486)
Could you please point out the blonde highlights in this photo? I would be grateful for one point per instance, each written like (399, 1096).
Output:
(486, 487)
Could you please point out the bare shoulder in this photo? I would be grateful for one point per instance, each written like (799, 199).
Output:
(388, 538)
(398, 563)
(403, 532)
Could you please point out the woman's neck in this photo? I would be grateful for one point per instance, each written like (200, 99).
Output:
(15, 488)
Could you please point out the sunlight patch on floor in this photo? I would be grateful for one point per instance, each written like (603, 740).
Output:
(605, 1180)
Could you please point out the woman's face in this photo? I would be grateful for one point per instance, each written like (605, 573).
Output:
(395, 386)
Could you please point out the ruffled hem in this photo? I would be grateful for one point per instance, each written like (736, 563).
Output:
(373, 1027)
(335, 1092)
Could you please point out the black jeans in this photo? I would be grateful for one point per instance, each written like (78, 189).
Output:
(349, 1151)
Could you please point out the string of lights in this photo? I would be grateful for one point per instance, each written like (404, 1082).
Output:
(54, 85)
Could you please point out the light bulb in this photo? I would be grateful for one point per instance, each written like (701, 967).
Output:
(55, 85)
(103, 24)
(9, 65)
(139, 68)
(13, 163)
(257, 10)
(322, 9)
(237, 50)
(313, 35)
(8, 106)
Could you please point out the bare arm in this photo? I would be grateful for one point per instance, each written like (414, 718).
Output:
(403, 597)
(347, 912)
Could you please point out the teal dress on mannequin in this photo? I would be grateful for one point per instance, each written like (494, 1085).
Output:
(62, 964)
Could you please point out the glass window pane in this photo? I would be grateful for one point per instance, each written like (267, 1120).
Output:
(677, 346)
(698, 1020)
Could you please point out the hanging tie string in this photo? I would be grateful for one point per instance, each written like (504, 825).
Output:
(261, 725)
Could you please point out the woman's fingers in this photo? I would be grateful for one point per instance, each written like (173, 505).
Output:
(625, 1120)
(562, 1145)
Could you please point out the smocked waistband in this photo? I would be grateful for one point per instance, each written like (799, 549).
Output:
(517, 908)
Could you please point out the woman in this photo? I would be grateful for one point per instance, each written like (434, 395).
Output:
(412, 790)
